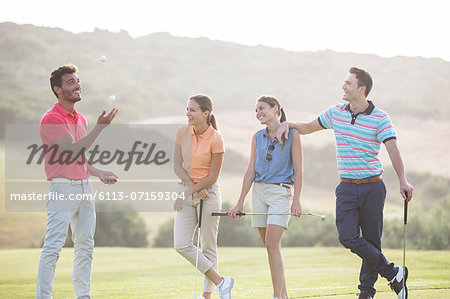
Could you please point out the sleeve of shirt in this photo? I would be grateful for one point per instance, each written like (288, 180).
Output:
(218, 147)
(385, 130)
(52, 128)
(325, 118)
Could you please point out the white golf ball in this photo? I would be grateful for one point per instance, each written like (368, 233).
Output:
(102, 58)
(112, 98)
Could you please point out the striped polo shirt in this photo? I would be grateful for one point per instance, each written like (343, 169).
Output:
(358, 138)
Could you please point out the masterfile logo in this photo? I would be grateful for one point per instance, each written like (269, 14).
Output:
(140, 155)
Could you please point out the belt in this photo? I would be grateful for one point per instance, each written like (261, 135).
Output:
(67, 181)
(285, 185)
(375, 179)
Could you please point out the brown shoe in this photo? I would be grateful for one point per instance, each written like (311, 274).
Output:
(364, 296)
(397, 286)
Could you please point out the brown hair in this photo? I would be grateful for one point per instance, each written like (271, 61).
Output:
(273, 101)
(205, 104)
(56, 75)
(364, 78)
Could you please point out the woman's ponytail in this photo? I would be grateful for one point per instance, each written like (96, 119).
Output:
(283, 115)
(212, 121)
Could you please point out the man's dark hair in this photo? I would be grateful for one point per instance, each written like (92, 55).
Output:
(364, 78)
(56, 75)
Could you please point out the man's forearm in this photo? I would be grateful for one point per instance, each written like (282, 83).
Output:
(301, 127)
(306, 128)
(93, 170)
(396, 159)
(397, 163)
(66, 143)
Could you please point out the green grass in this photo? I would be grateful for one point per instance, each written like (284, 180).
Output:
(162, 273)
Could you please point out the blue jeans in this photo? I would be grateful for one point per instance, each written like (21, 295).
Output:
(359, 210)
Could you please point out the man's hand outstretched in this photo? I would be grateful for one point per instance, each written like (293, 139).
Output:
(106, 119)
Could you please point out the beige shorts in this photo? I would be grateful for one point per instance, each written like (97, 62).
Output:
(271, 199)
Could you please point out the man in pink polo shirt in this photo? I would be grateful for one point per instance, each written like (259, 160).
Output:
(63, 128)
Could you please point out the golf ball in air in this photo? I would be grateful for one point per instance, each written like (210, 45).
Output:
(112, 98)
(102, 58)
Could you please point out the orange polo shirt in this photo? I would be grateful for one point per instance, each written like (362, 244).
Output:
(197, 150)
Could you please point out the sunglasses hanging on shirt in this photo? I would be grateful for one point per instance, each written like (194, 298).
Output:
(270, 149)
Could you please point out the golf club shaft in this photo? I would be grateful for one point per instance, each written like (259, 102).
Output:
(244, 214)
(405, 210)
(405, 221)
(200, 216)
(198, 245)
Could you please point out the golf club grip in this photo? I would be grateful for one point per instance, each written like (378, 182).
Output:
(226, 214)
(200, 216)
(405, 210)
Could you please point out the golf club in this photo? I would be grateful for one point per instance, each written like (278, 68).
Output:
(198, 244)
(405, 220)
(243, 214)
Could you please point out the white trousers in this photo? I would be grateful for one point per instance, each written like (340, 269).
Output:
(80, 215)
(186, 221)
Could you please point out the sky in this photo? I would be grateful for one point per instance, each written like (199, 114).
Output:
(385, 28)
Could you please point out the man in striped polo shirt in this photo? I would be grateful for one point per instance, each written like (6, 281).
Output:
(360, 128)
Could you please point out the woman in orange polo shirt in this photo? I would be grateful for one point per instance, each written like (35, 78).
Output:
(198, 157)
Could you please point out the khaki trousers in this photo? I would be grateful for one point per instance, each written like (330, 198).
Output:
(186, 221)
(80, 216)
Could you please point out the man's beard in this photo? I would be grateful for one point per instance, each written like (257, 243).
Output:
(70, 97)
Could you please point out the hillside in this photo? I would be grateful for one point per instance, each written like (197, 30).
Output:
(153, 75)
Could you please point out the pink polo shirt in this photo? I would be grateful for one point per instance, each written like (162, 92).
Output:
(197, 150)
(55, 123)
